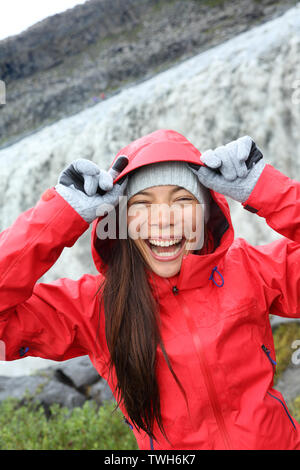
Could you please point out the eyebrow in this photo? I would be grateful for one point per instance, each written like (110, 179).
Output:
(147, 193)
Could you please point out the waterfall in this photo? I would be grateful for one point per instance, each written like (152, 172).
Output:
(247, 85)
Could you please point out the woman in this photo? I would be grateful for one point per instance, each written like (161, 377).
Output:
(177, 321)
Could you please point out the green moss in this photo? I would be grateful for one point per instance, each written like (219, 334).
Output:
(294, 408)
(26, 427)
(284, 335)
(213, 3)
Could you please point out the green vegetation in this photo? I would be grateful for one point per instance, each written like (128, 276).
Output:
(294, 408)
(26, 427)
(213, 3)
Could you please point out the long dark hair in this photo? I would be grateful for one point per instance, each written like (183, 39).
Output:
(132, 329)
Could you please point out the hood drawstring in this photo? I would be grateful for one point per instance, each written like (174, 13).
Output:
(211, 278)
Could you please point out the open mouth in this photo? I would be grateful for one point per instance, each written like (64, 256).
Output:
(166, 250)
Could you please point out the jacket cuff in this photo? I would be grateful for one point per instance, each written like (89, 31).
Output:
(52, 201)
(268, 192)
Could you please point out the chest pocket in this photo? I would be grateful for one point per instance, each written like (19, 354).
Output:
(214, 312)
(240, 314)
(238, 326)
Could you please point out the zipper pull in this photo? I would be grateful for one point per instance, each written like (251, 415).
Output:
(175, 290)
(268, 353)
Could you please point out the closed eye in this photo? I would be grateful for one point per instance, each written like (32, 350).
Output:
(141, 202)
(185, 199)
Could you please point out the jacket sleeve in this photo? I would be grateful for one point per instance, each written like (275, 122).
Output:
(276, 197)
(55, 320)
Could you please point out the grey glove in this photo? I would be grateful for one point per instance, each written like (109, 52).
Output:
(226, 171)
(78, 184)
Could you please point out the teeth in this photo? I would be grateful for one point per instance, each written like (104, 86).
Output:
(165, 242)
(165, 254)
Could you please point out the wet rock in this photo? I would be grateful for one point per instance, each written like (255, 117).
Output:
(289, 383)
(100, 392)
(78, 372)
(19, 387)
(41, 389)
(54, 391)
(68, 384)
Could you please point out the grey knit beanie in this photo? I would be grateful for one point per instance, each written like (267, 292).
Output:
(169, 173)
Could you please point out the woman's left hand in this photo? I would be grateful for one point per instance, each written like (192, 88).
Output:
(226, 172)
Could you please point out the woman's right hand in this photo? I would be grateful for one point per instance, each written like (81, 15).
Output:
(78, 184)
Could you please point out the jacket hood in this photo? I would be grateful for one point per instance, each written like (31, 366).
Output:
(167, 145)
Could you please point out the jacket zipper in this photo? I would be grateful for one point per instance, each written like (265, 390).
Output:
(284, 407)
(212, 393)
(268, 354)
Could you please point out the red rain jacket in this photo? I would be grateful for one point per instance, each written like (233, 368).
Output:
(215, 315)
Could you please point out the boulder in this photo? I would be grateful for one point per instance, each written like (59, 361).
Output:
(78, 372)
(68, 384)
(44, 389)
(100, 392)
(289, 384)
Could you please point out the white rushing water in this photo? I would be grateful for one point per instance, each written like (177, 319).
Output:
(247, 85)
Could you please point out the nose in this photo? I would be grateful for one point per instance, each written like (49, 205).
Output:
(161, 220)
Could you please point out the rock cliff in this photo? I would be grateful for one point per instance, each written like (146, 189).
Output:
(72, 60)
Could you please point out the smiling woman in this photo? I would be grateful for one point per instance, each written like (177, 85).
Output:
(166, 220)
(166, 242)
(177, 321)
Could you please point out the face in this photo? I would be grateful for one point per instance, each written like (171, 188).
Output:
(165, 223)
